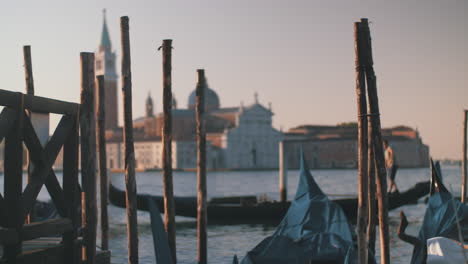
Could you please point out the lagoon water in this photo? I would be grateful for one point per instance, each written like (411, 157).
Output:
(225, 241)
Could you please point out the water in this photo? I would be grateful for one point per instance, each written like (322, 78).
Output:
(225, 241)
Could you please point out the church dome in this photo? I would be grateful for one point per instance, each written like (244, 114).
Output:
(211, 100)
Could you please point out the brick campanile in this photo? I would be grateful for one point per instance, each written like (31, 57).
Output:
(105, 65)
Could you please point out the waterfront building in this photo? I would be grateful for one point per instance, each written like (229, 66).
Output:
(336, 146)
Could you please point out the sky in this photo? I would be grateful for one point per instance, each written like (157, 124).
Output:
(296, 54)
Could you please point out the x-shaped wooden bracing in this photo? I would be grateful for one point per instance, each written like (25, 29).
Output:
(43, 159)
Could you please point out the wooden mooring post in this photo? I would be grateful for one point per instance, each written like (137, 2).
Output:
(130, 183)
(463, 191)
(201, 170)
(101, 142)
(371, 189)
(362, 214)
(88, 156)
(366, 60)
(13, 180)
(283, 173)
(28, 77)
(169, 206)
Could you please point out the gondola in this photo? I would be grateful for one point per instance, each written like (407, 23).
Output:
(246, 209)
(440, 219)
(314, 230)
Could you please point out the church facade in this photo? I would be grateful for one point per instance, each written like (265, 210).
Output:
(237, 137)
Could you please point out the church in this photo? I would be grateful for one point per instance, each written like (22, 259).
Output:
(239, 137)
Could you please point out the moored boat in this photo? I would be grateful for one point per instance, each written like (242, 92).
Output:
(444, 217)
(314, 230)
(247, 209)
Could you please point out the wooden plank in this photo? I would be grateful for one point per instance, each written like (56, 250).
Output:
(13, 180)
(43, 252)
(56, 193)
(7, 119)
(202, 214)
(28, 76)
(361, 223)
(71, 193)
(50, 250)
(37, 103)
(130, 184)
(101, 142)
(88, 155)
(169, 205)
(49, 227)
(103, 257)
(44, 159)
(8, 236)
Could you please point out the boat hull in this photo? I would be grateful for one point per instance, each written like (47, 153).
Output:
(261, 213)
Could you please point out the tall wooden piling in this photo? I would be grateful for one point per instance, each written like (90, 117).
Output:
(169, 206)
(28, 70)
(71, 192)
(283, 173)
(371, 189)
(381, 173)
(463, 192)
(28, 77)
(362, 213)
(88, 156)
(101, 142)
(201, 169)
(130, 184)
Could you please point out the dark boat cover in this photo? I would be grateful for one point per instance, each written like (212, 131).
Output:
(314, 230)
(440, 218)
(162, 252)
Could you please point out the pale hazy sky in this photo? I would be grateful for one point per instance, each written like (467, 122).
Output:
(298, 55)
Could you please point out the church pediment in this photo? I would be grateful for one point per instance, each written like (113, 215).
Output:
(258, 109)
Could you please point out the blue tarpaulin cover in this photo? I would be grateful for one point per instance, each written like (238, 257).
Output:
(440, 218)
(314, 229)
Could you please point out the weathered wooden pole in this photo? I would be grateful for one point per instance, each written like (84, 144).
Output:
(88, 156)
(13, 179)
(169, 206)
(101, 142)
(374, 113)
(28, 74)
(283, 173)
(71, 193)
(371, 189)
(362, 213)
(28, 70)
(130, 184)
(463, 192)
(201, 169)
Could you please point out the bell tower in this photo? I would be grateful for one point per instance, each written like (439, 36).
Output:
(105, 65)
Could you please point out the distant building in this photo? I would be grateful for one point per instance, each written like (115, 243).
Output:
(237, 137)
(336, 146)
(105, 64)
